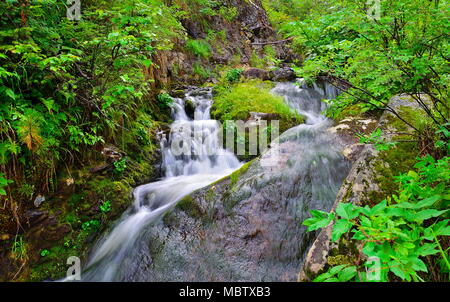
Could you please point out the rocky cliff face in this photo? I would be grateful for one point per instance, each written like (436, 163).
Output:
(233, 40)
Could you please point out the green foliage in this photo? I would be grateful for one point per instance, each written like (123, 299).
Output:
(44, 252)
(339, 273)
(164, 100)
(282, 12)
(90, 225)
(401, 230)
(120, 166)
(200, 48)
(376, 139)
(67, 86)
(200, 71)
(3, 183)
(105, 207)
(233, 75)
(19, 249)
(403, 51)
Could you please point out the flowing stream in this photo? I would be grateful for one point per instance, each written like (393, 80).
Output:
(311, 179)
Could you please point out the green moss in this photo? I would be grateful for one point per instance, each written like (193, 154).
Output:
(234, 177)
(235, 102)
(338, 260)
(190, 207)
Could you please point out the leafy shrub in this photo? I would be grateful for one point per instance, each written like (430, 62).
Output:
(120, 166)
(234, 75)
(90, 225)
(105, 207)
(164, 100)
(200, 71)
(401, 230)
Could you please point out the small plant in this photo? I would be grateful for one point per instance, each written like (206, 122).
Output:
(200, 48)
(164, 100)
(105, 207)
(45, 252)
(19, 249)
(234, 75)
(90, 225)
(120, 166)
(200, 70)
(376, 139)
(4, 183)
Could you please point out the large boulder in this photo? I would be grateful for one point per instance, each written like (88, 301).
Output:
(256, 73)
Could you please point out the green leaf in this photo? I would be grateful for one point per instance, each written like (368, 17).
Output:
(419, 265)
(10, 93)
(427, 214)
(347, 274)
(319, 220)
(398, 272)
(341, 227)
(427, 249)
(147, 63)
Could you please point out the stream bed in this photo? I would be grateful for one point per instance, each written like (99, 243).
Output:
(248, 229)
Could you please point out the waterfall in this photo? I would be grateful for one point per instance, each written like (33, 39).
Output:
(203, 163)
(310, 171)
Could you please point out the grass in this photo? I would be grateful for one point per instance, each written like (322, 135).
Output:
(199, 47)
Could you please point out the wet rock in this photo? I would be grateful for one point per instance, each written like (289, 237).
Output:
(111, 154)
(246, 227)
(256, 73)
(282, 74)
(189, 107)
(38, 200)
(34, 217)
(263, 116)
(360, 184)
(353, 151)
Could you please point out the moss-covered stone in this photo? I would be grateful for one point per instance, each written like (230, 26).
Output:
(190, 207)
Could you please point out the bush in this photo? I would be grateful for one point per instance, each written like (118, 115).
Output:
(164, 100)
(234, 75)
(401, 231)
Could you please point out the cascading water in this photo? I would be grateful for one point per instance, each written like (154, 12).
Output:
(185, 172)
(260, 238)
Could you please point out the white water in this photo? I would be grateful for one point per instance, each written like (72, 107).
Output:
(183, 175)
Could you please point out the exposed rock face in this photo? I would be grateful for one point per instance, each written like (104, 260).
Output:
(245, 35)
(359, 186)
